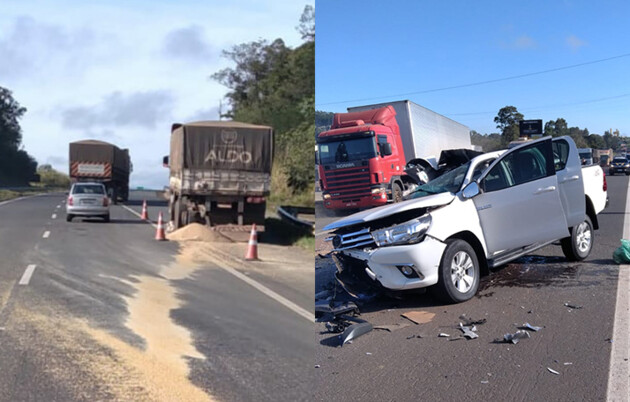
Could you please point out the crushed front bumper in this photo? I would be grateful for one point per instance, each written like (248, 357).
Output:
(362, 272)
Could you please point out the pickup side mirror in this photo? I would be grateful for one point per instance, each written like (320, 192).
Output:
(165, 161)
(386, 149)
(471, 190)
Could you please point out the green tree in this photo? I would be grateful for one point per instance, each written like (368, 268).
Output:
(596, 141)
(507, 121)
(17, 167)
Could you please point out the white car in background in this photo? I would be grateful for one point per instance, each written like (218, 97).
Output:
(87, 200)
(492, 210)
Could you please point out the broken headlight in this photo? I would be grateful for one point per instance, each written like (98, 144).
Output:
(406, 233)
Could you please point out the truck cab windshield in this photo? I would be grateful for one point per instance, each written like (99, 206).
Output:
(450, 181)
(346, 150)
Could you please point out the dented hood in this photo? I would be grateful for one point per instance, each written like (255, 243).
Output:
(368, 215)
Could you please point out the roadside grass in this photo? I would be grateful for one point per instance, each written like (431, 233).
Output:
(8, 195)
(281, 194)
(284, 233)
(34, 189)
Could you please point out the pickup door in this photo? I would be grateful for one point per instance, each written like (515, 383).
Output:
(520, 202)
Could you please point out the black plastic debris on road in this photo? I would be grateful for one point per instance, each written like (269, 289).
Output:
(573, 306)
(341, 318)
(469, 321)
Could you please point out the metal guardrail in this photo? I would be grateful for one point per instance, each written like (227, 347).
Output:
(291, 214)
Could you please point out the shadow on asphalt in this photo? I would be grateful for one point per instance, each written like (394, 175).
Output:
(150, 203)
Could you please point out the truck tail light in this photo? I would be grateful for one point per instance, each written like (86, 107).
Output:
(105, 201)
(605, 184)
(70, 201)
(255, 200)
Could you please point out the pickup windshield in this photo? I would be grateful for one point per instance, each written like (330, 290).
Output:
(346, 150)
(450, 181)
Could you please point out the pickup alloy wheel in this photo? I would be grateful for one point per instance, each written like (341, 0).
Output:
(578, 246)
(459, 272)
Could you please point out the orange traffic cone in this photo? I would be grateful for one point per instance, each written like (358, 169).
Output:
(252, 248)
(145, 214)
(159, 234)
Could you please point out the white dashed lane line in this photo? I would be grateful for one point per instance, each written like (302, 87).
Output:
(26, 277)
(46, 234)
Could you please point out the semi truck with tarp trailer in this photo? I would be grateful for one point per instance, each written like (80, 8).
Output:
(219, 174)
(99, 161)
(362, 158)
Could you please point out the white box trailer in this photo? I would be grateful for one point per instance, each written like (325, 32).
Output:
(424, 133)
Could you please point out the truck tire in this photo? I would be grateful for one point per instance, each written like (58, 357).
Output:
(69, 217)
(459, 274)
(396, 192)
(579, 245)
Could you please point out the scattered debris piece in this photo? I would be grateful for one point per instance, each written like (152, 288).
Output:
(419, 317)
(392, 327)
(414, 336)
(443, 335)
(567, 363)
(552, 371)
(531, 327)
(573, 306)
(468, 321)
(355, 331)
(515, 337)
(468, 332)
(368, 353)
(338, 319)
(317, 366)
(485, 382)
(609, 340)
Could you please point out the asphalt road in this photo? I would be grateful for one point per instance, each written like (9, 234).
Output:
(102, 311)
(414, 363)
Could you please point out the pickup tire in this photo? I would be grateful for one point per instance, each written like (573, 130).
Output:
(459, 272)
(578, 246)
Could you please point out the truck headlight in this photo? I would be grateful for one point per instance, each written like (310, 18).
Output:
(406, 233)
(326, 196)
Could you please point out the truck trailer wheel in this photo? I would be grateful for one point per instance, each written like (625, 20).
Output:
(459, 273)
(578, 246)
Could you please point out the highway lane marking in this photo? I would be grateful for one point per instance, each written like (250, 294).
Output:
(619, 373)
(26, 277)
(46, 234)
(138, 215)
(54, 216)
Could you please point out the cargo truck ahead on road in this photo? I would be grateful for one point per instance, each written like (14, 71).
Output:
(99, 161)
(220, 173)
(362, 157)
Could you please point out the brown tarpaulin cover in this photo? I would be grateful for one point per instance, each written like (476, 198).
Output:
(225, 145)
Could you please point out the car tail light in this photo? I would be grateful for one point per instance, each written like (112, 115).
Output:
(605, 184)
(70, 201)
(105, 201)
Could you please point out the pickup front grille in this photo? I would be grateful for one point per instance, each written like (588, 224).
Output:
(361, 238)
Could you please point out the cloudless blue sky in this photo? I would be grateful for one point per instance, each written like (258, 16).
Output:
(375, 51)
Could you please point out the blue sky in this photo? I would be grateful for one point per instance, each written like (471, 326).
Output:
(124, 71)
(375, 51)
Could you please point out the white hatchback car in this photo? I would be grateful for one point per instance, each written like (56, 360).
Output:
(87, 200)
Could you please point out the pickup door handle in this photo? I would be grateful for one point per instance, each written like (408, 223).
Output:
(572, 178)
(545, 190)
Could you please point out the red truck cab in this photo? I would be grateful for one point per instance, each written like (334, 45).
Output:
(361, 159)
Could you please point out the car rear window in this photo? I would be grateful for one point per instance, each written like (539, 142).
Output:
(88, 189)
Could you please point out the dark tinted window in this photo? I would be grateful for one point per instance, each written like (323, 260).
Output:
(560, 154)
(522, 166)
(88, 189)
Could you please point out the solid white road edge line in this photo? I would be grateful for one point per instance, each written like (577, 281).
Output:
(46, 234)
(265, 290)
(26, 277)
(618, 373)
(138, 215)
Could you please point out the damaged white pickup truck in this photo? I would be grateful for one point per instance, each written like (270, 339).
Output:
(495, 208)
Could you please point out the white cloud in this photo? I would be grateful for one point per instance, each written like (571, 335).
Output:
(188, 44)
(575, 43)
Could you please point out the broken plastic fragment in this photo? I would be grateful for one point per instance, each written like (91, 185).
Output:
(443, 335)
(468, 321)
(355, 331)
(515, 337)
(553, 371)
(532, 327)
(485, 382)
(317, 366)
(573, 306)
(468, 333)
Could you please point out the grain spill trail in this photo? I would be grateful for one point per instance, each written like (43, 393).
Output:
(169, 346)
